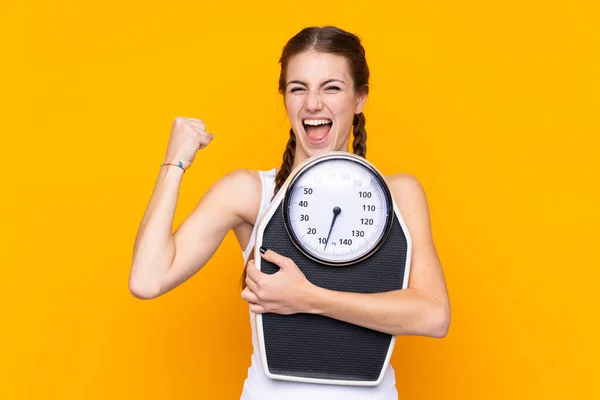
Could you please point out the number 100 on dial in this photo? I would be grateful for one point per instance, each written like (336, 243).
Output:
(338, 210)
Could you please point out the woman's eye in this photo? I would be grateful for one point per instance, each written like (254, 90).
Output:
(296, 89)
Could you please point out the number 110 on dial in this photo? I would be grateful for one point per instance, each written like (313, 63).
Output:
(338, 210)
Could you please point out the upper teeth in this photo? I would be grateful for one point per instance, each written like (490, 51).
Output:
(316, 121)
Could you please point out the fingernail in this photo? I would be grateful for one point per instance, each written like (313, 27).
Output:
(262, 249)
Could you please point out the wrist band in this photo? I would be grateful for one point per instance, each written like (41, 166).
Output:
(179, 164)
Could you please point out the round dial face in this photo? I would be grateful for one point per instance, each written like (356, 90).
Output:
(338, 210)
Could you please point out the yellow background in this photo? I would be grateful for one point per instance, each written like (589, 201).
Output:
(494, 106)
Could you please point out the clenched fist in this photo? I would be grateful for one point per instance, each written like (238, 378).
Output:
(188, 135)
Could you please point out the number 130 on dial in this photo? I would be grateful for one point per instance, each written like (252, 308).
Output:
(338, 210)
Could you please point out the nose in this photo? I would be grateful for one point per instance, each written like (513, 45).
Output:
(313, 100)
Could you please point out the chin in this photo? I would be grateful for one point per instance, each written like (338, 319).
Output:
(312, 149)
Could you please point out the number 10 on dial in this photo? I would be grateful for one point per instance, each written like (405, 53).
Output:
(338, 210)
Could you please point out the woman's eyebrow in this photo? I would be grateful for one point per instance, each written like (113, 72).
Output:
(322, 84)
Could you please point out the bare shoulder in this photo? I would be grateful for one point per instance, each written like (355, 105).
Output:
(241, 190)
(243, 176)
(404, 186)
(241, 179)
(410, 196)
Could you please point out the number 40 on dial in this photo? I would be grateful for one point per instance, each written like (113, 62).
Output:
(338, 210)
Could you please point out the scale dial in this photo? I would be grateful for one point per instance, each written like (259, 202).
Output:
(338, 209)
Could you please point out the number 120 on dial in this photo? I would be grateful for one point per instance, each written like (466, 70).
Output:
(338, 210)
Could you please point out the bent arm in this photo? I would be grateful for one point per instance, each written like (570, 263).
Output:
(162, 260)
(422, 309)
(399, 312)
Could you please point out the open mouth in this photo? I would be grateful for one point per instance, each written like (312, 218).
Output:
(317, 129)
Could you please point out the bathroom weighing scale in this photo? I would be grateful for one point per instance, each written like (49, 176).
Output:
(336, 219)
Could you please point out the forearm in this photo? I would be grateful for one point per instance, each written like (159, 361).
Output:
(154, 248)
(399, 312)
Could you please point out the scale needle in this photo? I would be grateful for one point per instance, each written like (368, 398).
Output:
(336, 212)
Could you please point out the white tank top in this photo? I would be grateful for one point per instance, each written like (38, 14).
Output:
(258, 386)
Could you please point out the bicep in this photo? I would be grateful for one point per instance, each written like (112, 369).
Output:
(201, 233)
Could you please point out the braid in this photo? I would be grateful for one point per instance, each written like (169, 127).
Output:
(282, 175)
(359, 145)
(288, 161)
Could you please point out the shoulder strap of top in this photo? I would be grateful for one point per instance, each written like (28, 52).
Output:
(267, 179)
(269, 185)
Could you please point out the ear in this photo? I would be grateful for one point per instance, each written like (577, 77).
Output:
(361, 99)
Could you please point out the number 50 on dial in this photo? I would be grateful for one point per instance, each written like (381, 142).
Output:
(338, 209)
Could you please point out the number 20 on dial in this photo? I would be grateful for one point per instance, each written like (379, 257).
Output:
(338, 210)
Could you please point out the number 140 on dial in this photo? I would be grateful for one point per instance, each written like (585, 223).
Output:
(338, 211)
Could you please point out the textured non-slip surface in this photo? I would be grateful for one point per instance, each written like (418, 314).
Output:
(314, 346)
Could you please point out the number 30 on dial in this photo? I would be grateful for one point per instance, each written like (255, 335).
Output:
(338, 209)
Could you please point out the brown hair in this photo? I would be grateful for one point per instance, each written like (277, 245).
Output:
(332, 40)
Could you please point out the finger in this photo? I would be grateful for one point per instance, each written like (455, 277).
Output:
(251, 284)
(204, 140)
(203, 134)
(253, 272)
(198, 127)
(196, 122)
(195, 127)
(276, 258)
(257, 308)
(249, 296)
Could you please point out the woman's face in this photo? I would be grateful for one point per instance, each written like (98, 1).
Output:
(320, 100)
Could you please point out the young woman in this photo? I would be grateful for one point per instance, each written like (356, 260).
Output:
(324, 82)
